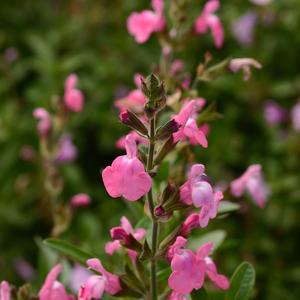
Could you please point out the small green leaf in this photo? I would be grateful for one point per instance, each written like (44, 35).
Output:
(70, 250)
(241, 282)
(226, 207)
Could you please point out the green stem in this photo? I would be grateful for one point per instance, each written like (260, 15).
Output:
(151, 208)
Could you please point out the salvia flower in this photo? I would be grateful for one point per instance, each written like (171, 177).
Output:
(95, 285)
(73, 97)
(296, 116)
(244, 64)
(188, 125)
(80, 200)
(127, 176)
(5, 291)
(208, 20)
(142, 25)
(78, 277)
(45, 121)
(138, 139)
(125, 230)
(67, 151)
(53, 289)
(253, 182)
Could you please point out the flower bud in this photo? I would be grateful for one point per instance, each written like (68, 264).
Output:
(165, 131)
(132, 120)
(191, 222)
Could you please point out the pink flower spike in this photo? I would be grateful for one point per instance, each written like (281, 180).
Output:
(208, 20)
(73, 97)
(253, 182)
(53, 289)
(80, 200)
(45, 121)
(5, 291)
(244, 64)
(127, 176)
(112, 282)
(189, 128)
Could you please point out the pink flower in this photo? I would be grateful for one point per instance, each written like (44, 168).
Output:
(80, 200)
(189, 269)
(67, 151)
(78, 276)
(126, 176)
(189, 128)
(177, 296)
(208, 20)
(274, 113)
(296, 116)
(142, 25)
(45, 122)
(73, 97)
(253, 182)
(97, 284)
(53, 289)
(5, 293)
(138, 139)
(127, 230)
(244, 64)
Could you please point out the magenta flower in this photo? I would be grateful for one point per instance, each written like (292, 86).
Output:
(142, 25)
(127, 176)
(67, 151)
(244, 64)
(80, 200)
(45, 121)
(95, 285)
(208, 20)
(53, 289)
(73, 97)
(296, 116)
(189, 128)
(274, 113)
(126, 230)
(253, 182)
(5, 291)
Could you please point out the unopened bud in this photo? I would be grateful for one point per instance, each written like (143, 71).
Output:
(191, 222)
(132, 120)
(165, 131)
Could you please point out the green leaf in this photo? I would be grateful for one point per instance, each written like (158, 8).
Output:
(226, 207)
(216, 237)
(70, 250)
(241, 282)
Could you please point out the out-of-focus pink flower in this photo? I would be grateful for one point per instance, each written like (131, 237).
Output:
(67, 151)
(113, 246)
(253, 182)
(78, 277)
(111, 282)
(27, 152)
(80, 200)
(11, 54)
(45, 121)
(142, 25)
(127, 176)
(261, 2)
(24, 269)
(189, 269)
(208, 20)
(274, 113)
(138, 139)
(244, 64)
(296, 116)
(5, 292)
(176, 66)
(53, 289)
(243, 28)
(73, 97)
(189, 128)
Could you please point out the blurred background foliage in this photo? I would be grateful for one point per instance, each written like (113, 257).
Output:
(41, 42)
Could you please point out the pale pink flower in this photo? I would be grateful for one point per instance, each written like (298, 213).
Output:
(261, 2)
(113, 246)
(176, 67)
(295, 114)
(66, 151)
(253, 182)
(274, 113)
(138, 139)
(106, 280)
(5, 291)
(78, 277)
(80, 200)
(127, 176)
(189, 128)
(178, 296)
(142, 25)
(53, 289)
(208, 20)
(73, 97)
(244, 64)
(45, 121)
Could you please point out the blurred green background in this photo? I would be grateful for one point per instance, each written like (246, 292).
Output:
(41, 42)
